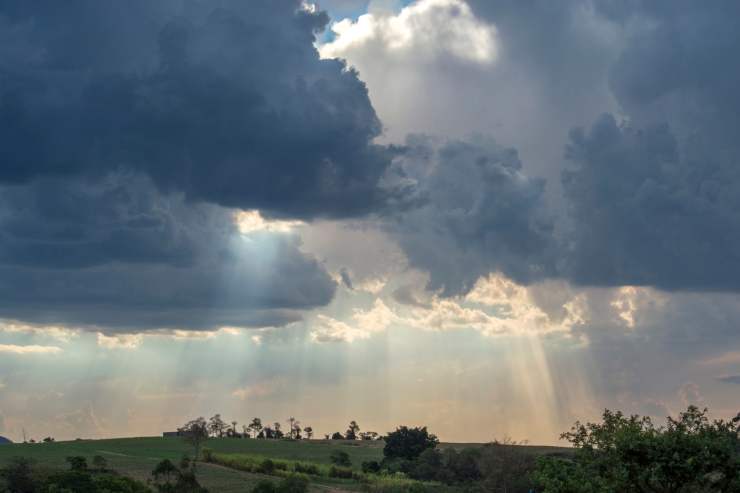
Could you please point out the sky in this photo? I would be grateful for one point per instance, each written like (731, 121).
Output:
(489, 217)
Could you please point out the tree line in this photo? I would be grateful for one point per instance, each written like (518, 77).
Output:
(216, 427)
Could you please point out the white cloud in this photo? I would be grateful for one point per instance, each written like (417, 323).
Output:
(426, 30)
(119, 341)
(252, 222)
(60, 333)
(32, 349)
(364, 324)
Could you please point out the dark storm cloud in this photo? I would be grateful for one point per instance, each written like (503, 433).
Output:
(653, 200)
(644, 215)
(480, 214)
(225, 101)
(118, 254)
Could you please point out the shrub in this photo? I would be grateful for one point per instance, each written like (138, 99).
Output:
(630, 454)
(340, 472)
(266, 467)
(77, 463)
(207, 455)
(340, 458)
(371, 467)
(293, 484)
(264, 486)
(18, 476)
(100, 462)
(306, 468)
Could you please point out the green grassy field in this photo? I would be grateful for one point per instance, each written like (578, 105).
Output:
(136, 457)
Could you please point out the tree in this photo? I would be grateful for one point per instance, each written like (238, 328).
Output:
(276, 428)
(216, 425)
(368, 435)
(48, 439)
(337, 436)
(245, 431)
(308, 431)
(630, 454)
(408, 443)
(256, 426)
(233, 428)
(296, 432)
(291, 426)
(168, 478)
(195, 433)
(352, 430)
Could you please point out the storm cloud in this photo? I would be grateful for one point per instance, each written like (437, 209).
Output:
(480, 213)
(225, 101)
(118, 254)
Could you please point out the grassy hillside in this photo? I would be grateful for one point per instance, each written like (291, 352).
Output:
(136, 457)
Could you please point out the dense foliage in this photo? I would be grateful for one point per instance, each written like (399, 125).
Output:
(628, 454)
(408, 443)
(20, 476)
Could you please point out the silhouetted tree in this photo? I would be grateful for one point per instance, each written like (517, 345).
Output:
(216, 425)
(296, 432)
(337, 436)
(291, 426)
(256, 426)
(195, 433)
(309, 432)
(352, 431)
(369, 435)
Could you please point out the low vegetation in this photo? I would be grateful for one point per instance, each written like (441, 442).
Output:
(620, 454)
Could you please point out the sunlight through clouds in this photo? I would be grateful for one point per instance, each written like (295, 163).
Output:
(426, 29)
(32, 349)
(253, 222)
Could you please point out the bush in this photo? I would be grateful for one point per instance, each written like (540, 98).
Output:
(266, 467)
(264, 486)
(293, 484)
(340, 458)
(207, 455)
(100, 462)
(77, 463)
(306, 468)
(371, 467)
(340, 472)
(630, 454)
(18, 476)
